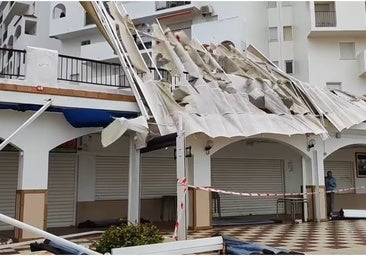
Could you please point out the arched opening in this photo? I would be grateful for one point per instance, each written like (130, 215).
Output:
(59, 11)
(257, 165)
(9, 162)
(228, 44)
(18, 31)
(348, 166)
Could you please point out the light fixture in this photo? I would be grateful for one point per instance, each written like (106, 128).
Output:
(311, 144)
(188, 152)
(209, 145)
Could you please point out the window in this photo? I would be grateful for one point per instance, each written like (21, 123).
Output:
(287, 33)
(272, 4)
(18, 31)
(347, 51)
(289, 66)
(30, 27)
(325, 14)
(273, 34)
(59, 11)
(85, 42)
(334, 85)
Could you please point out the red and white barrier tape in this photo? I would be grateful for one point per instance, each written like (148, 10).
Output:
(266, 194)
(182, 182)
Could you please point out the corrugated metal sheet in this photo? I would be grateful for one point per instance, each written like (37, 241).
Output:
(343, 173)
(158, 177)
(247, 175)
(8, 185)
(111, 178)
(61, 190)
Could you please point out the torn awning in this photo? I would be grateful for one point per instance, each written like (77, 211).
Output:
(229, 93)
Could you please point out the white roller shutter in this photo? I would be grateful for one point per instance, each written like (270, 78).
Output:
(111, 178)
(247, 175)
(8, 185)
(61, 189)
(158, 177)
(343, 173)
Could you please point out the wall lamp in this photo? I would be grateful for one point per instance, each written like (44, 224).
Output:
(311, 144)
(188, 152)
(209, 145)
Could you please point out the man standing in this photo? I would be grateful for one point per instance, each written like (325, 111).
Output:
(330, 185)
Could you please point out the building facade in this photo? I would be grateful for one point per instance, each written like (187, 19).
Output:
(314, 41)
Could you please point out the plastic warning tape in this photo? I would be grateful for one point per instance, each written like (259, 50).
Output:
(210, 189)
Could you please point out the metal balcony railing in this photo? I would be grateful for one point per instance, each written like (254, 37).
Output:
(12, 63)
(325, 19)
(75, 69)
(79, 70)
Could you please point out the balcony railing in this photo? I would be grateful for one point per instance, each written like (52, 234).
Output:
(74, 69)
(325, 19)
(89, 71)
(12, 63)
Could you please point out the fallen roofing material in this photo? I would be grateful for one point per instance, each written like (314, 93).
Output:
(230, 93)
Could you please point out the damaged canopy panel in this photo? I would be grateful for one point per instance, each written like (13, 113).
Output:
(221, 91)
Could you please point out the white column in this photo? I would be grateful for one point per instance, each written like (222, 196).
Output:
(33, 169)
(318, 174)
(305, 171)
(133, 215)
(181, 173)
(31, 195)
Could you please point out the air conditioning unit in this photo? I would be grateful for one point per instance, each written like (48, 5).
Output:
(206, 10)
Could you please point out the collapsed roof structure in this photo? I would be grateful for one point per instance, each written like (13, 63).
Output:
(216, 89)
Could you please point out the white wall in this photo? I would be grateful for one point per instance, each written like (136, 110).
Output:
(350, 15)
(325, 64)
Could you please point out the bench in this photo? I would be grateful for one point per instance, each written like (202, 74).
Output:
(176, 247)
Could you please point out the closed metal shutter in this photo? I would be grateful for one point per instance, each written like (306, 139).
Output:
(342, 171)
(158, 177)
(8, 184)
(61, 190)
(111, 178)
(247, 175)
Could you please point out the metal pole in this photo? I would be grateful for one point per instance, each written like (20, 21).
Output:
(45, 234)
(181, 195)
(26, 123)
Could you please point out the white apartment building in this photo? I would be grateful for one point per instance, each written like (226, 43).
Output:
(317, 42)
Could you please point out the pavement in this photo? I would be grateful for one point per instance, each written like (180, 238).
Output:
(341, 237)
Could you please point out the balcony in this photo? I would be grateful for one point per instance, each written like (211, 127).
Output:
(325, 19)
(16, 8)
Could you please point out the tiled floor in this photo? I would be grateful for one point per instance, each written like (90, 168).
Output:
(333, 237)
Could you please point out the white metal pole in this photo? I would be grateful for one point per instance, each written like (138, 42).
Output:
(45, 234)
(26, 123)
(181, 194)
